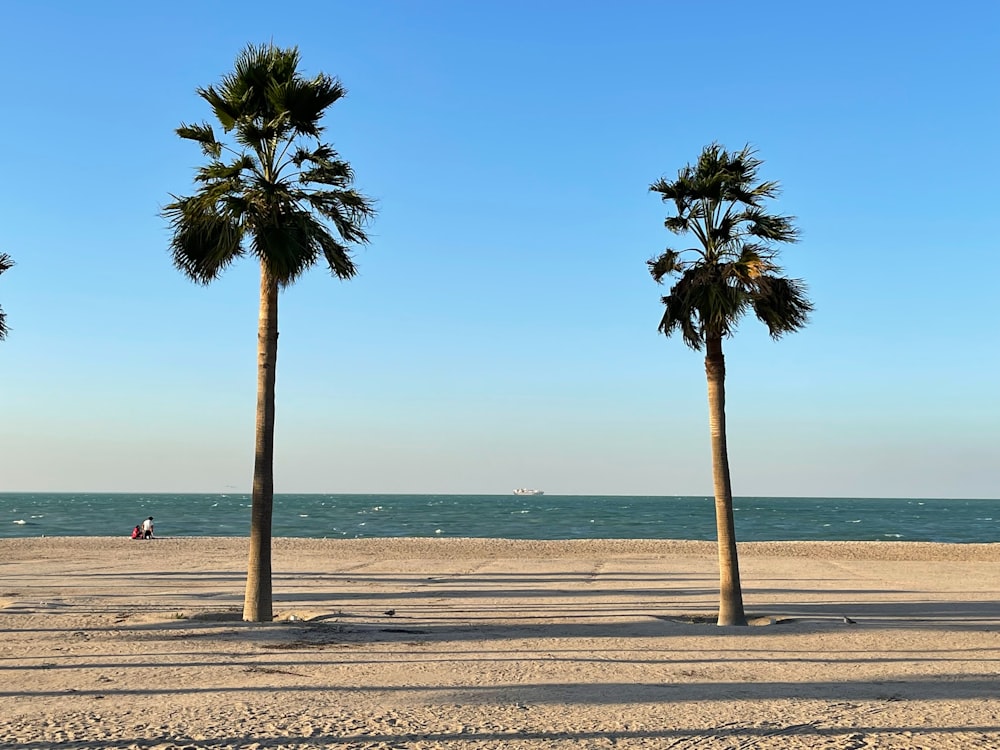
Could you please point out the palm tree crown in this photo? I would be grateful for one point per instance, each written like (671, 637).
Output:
(276, 185)
(732, 268)
(6, 263)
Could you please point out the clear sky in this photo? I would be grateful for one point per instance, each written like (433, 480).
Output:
(502, 330)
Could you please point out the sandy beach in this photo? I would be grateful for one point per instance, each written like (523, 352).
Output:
(112, 643)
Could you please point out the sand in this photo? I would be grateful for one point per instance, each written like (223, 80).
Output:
(113, 643)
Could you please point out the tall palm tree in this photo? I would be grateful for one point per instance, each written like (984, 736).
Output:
(6, 263)
(731, 270)
(273, 191)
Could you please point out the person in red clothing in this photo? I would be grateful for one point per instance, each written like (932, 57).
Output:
(137, 532)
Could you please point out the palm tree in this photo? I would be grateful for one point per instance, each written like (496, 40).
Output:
(6, 263)
(730, 271)
(272, 193)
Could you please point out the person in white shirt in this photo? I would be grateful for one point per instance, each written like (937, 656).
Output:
(147, 528)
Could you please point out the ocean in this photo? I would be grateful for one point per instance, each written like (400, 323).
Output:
(504, 516)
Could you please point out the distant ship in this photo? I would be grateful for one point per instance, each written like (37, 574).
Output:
(525, 491)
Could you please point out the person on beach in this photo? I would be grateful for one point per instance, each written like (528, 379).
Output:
(137, 532)
(147, 528)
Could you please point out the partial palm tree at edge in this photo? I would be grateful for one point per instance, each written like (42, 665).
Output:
(731, 270)
(273, 192)
(6, 263)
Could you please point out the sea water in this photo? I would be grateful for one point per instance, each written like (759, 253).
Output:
(503, 516)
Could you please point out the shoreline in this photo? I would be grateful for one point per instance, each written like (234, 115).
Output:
(442, 644)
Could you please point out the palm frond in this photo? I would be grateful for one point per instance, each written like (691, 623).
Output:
(678, 191)
(671, 319)
(204, 136)
(227, 177)
(257, 135)
(338, 257)
(347, 209)
(770, 227)
(306, 101)
(724, 232)
(317, 154)
(205, 241)
(226, 111)
(764, 190)
(781, 304)
(287, 247)
(256, 71)
(753, 263)
(335, 173)
(720, 306)
(683, 311)
(667, 263)
(678, 224)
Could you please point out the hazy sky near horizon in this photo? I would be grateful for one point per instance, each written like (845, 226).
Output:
(502, 330)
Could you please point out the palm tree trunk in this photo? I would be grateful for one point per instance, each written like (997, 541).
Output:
(257, 600)
(730, 593)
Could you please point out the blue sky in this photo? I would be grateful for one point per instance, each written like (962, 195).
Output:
(502, 330)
